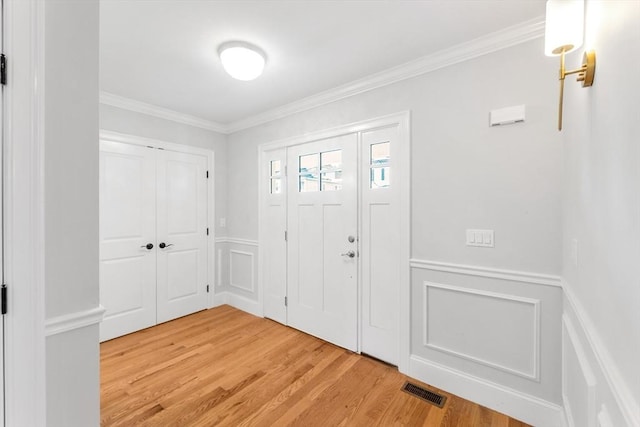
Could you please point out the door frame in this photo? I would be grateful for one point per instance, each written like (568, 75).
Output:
(106, 135)
(402, 121)
(23, 211)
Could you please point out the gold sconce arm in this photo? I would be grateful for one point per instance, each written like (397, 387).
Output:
(586, 74)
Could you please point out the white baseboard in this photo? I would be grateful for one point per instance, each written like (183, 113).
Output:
(530, 409)
(239, 302)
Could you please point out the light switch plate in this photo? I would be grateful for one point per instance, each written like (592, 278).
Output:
(480, 238)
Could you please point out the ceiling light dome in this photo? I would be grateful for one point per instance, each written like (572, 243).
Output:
(243, 61)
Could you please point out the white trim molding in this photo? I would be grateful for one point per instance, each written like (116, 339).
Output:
(23, 146)
(69, 322)
(484, 45)
(534, 374)
(107, 98)
(495, 273)
(511, 36)
(605, 365)
(239, 302)
(524, 407)
(237, 241)
(570, 338)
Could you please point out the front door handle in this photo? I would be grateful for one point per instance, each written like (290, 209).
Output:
(350, 254)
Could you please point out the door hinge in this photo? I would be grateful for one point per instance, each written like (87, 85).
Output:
(285, 301)
(3, 303)
(285, 170)
(285, 235)
(207, 174)
(207, 231)
(3, 69)
(207, 288)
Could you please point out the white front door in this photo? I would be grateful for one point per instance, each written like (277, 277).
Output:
(181, 234)
(127, 238)
(322, 247)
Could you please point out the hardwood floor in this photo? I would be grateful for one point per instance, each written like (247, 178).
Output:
(225, 367)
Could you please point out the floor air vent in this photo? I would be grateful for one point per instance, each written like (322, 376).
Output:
(424, 394)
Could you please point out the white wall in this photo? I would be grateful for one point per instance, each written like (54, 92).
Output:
(601, 218)
(138, 124)
(465, 174)
(71, 209)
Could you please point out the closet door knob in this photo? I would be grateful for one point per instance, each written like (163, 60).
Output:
(165, 245)
(149, 246)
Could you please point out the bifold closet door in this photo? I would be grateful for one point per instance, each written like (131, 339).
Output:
(181, 234)
(127, 238)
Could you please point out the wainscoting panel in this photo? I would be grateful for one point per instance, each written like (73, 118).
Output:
(241, 270)
(477, 325)
(489, 335)
(237, 281)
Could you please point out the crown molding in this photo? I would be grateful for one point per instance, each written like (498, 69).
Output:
(118, 101)
(508, 37)
(493, 42)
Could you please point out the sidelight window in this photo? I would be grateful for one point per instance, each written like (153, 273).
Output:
(275, 177)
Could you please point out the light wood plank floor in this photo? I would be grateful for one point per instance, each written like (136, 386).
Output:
(226, 367)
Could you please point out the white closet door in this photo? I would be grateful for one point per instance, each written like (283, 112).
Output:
(182, 229)
(127, 226)
(322, 261)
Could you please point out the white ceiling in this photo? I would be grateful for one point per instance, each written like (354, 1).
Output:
(163, 52)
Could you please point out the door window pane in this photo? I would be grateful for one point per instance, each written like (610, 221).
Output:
(380, 177)
(309, 163)
(309, 182)
(320, 172)
(276, 186)
(331, 181)
(331, 160)
(275, 168)
(380, 154)
(379, 158)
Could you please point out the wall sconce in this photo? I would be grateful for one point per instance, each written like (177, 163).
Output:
(564, 30)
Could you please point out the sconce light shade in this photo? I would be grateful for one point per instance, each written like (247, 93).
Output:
(242, 60)
(564, 31)
(564, 28)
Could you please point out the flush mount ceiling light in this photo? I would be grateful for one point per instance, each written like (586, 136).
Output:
(243, 61)
(564, 30)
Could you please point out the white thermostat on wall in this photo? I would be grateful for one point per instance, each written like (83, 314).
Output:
(506, 116)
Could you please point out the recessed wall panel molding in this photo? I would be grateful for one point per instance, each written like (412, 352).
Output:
(241, 270)
(497, 330)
